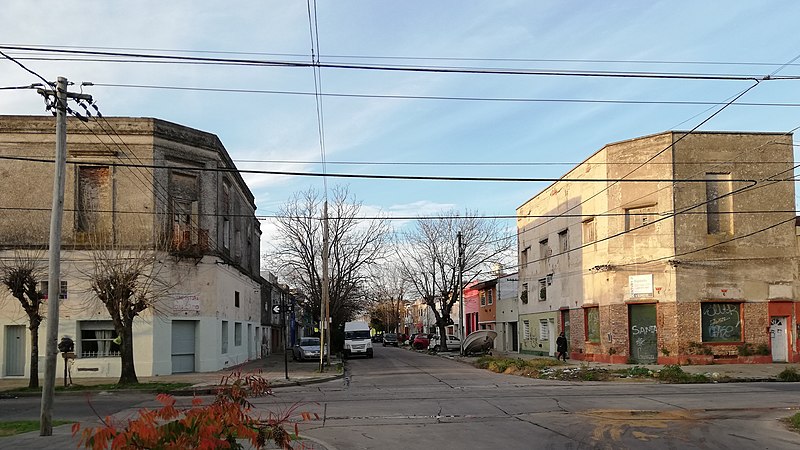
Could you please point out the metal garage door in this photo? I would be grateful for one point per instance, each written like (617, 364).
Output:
(15, 350)
(183, 345)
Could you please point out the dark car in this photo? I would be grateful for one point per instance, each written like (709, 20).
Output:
(390, 339)
(306, 348)
(421, 341)
(377, 338)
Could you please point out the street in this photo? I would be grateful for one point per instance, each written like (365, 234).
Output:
(406, 400)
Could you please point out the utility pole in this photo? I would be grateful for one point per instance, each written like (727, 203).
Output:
(325, 332)
(461, 323)
(54, 277)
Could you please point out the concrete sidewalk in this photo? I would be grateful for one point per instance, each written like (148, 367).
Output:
(272, 368)
(736, 372)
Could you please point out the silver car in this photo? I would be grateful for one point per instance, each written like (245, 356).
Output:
(306, 348)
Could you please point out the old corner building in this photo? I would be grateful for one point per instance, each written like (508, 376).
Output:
(135, 186)
(691, 257)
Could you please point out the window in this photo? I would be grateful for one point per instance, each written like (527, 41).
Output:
(639, 217)
(490, 294)
(237, 334)
(483, 298)
(543, 289)
(721, 322)
(589, 231)
(719, 211)
(523, 259)
(544, 249)
(236, 298)
(592, 321)
(226, 233)
(526, 329)
(91, 190)
(44, 287)
(563, 241)
(224, 336)
(98, 339)
(524, 295)
(544, 330)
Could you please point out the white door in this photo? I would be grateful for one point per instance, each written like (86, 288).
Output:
(551, 331)
(777, 335)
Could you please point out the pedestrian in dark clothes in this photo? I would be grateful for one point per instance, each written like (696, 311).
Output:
(561, 346)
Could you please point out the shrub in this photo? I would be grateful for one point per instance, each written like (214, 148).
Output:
(763, 350)
(794, 421)
(745, 349)
(216, 425)
(789, 374)
(673, 373)
(639, 371)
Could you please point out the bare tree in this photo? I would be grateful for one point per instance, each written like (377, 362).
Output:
(128, 281)
(354, 245)
(388, 291)
(429, 256)
(21, 276)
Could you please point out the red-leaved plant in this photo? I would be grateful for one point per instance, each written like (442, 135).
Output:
(212, 426)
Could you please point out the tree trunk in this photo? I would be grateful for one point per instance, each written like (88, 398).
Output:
(442, 337)
(128, 373)
(34, 376)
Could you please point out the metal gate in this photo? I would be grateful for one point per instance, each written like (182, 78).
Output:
(15, 350)
(643, 333)
(183, 345)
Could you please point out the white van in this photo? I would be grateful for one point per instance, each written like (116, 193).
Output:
(357, 340)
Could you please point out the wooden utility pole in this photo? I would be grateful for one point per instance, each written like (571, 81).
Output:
(325, 317)
(461, 323)
(54, 278)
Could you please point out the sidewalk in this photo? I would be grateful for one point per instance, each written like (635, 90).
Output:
(272, 368)
(736, 372)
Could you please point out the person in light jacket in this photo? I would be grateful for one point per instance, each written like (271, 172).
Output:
(561, 346)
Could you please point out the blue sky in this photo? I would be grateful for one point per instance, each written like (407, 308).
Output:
(572, 35)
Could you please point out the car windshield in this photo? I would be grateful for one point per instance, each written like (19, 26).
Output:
(390, 336)
(309, 342)
(358, 334)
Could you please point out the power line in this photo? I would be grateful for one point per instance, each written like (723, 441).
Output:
(418, 69)
(445, 97)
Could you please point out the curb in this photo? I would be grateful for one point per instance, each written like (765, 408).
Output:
(211, 390)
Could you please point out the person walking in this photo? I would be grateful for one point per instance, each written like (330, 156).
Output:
(561, 346)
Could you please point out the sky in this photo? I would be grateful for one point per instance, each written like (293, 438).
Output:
(555, 122)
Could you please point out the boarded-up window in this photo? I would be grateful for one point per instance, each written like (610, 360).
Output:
(92, 194)
(639, 217)
(720, 205)
(588, 228)
(592, 316)
(721, 322)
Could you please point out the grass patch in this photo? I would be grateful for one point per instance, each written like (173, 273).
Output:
(12, 427)
(672, 373)
(154, 386)
(517, 366)
(790, 374)
(794, 422)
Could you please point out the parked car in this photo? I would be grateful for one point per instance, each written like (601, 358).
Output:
(402, 338)
(306, 348)
(453, 343)
(421, 341)
(377, 338)
(410, 339)
(390, 339)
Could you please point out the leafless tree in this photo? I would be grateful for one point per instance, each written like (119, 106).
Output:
(21, 276)
(127, 281)
(388, 292)
(354, 244)
(429, 256)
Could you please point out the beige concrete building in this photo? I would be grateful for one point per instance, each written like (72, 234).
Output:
(133, 184)
(692, 256)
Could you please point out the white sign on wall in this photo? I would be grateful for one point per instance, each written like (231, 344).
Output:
(641, 285)
(186, 305)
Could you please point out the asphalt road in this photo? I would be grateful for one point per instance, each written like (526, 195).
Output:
(407, 400)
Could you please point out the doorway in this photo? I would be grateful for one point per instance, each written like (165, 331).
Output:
(15, 350)
(777, 337)
(643, 333)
